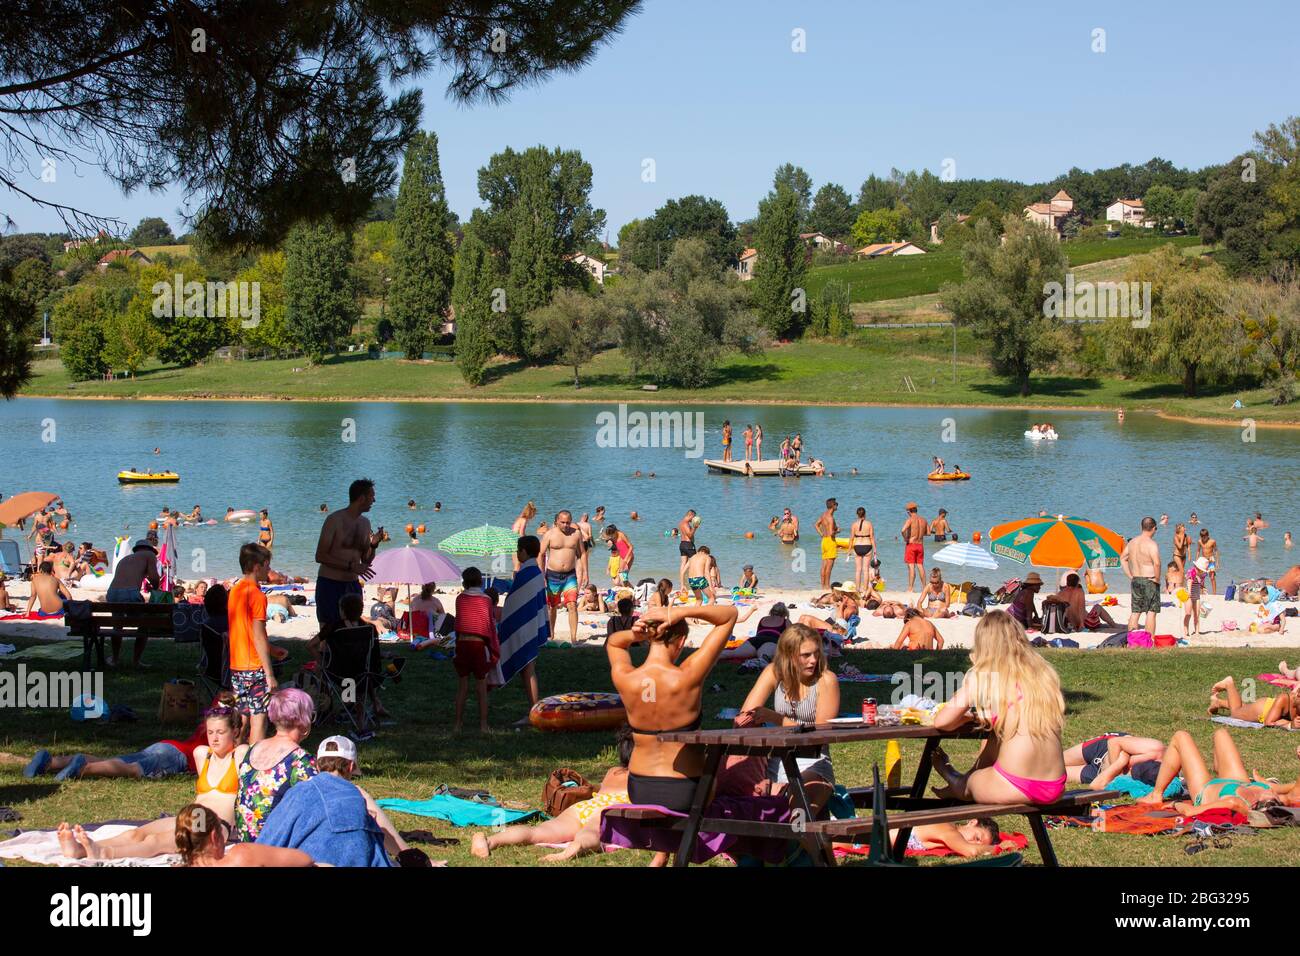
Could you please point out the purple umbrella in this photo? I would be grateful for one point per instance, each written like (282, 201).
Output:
(410, 565)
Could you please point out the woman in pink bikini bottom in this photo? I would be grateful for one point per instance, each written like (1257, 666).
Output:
(1015, 693)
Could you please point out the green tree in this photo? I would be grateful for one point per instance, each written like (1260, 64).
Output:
(877, 193)
(794, 178)
(832, 212)
(878, 225)
(152, 231)
(1002, 297)
(32, 282)
(1233, 211)
(572, 329)
(320, 307)
(268, 331)
(839, 312)
(473, 298)
(1186, 207)
(778, 291)
(423, 272)
(676, 323)
(17, 330)
(1269, 313)
(1190, 334)
(1161, 204)
(651, 243)
(79, 319)
(130, 337)
(193, 327)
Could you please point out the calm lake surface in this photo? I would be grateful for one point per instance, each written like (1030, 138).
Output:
(483, 461)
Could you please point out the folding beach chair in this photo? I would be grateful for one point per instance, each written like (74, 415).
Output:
(348, 660)
(11, 560)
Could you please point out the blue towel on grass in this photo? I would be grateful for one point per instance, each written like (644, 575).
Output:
(458, 812)
(1137, 789)
(1246, 724)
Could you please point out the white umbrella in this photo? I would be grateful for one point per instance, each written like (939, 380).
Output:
(966, 555)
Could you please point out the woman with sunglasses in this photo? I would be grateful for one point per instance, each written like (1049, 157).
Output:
(215, 788)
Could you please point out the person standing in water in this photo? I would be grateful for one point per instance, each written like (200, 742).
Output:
(345, 550)
(266, 531)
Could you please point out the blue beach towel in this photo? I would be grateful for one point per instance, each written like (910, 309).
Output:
(525, 624)
(458, 812)
(1246, 724)
(1137, 789)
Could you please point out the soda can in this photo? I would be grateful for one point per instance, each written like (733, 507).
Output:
(869, 711)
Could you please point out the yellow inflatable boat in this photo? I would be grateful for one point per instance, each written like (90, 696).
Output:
(138, 477)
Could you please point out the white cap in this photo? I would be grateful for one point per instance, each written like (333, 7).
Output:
(337, 747)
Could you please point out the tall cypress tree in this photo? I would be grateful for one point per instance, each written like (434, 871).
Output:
(472, 297)
(422, 267)
(779, 271)
(535, 251)
(319, 303)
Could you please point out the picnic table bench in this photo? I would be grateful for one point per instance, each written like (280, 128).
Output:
(786, 743)
(92, 621)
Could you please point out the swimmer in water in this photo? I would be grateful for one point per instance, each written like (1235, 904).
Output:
(634, 516)
(1286, 539)
(324, 507)
(411, 504)
(636, 474)
(437, 506)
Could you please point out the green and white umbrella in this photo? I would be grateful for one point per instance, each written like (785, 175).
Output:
(483, 541)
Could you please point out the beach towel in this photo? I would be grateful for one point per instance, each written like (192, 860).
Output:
(32, 616)
(54, 651)
(42, 846)
(633, 834)
(1247, 724)
(1019, 839)
(1133, 818)
(1277, 680)
(525, 625)
(1136, 788)
(458, 812)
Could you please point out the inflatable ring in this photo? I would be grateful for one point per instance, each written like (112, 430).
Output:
(241, 515)
(948, 476)
(579, 711)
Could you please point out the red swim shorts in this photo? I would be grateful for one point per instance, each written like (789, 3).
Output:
(914, 553)
(472, 658)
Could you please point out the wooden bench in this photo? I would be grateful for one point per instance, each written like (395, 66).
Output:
(116, 620)
(927, 811)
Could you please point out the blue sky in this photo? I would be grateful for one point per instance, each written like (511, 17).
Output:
(714, 94)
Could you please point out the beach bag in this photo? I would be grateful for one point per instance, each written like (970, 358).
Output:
(1118, 639)
(1230, 592)
(179, 702)
(1054, 619)
(1007, 593)
(563, 789)
(978, 595)
(1140, 639)
(1165, 640)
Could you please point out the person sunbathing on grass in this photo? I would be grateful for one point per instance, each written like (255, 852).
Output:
(1231, 787)
(1098, 761)
(203, 839)
(1282, 710)
(976, 837)
(215, 789)
(578, 827)
(1016, 694)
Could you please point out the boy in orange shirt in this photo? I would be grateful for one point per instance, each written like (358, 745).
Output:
(251, 676)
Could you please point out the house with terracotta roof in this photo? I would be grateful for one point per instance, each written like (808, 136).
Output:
(745, 265)
(122, 255)
(1053, 213)
(1130, 212)
(879, 249)
(934, 229)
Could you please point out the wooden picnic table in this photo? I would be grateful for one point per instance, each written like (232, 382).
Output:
(787, 743)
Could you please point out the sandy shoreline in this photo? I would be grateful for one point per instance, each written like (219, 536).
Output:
(874, 631)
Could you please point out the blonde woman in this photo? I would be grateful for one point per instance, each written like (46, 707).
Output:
(933, 600)
(520, 526)
(1016, 694)
(803, 690)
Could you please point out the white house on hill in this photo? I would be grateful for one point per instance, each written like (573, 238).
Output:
(1129, 211)
(591, 264)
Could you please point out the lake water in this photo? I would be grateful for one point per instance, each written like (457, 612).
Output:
(483, 461)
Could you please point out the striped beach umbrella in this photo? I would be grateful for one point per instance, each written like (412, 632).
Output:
(1057, 541)
(482, 541)
(966, 555)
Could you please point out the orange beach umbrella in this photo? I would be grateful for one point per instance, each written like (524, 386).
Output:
(1057, 541)
(23, 506)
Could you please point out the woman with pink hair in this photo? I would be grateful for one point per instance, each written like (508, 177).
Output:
(272, 766)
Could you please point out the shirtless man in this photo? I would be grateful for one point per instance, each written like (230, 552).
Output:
(913, 530)
(584, 569)
(918, 633)
(787, 527)
(686, 545)
(701, 571)
(1141, 562)
(940, 524)
(345, 550)
(49, 591)
(828, 529)
(558, 559)
(1253, 527)
(1209, 550)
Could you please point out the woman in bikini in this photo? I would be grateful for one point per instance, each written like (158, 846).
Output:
(1230, 787)
(662, 595)
(1279, 711)
(520, 524)
(214, 789)
(803, 690)
(266, 531)
(864, 542)
(270, 767)
(933, 599)
(1015, 693)
(1182, 545)
(663, 694)
(976, 837)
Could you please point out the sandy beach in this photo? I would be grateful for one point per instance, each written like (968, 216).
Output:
(876, 632)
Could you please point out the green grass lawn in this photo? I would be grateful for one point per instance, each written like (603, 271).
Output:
(869, 368)
(1144, 692)
(871, 280)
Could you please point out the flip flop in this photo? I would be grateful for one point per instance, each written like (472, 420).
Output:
(73, 770)
(36, 766)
